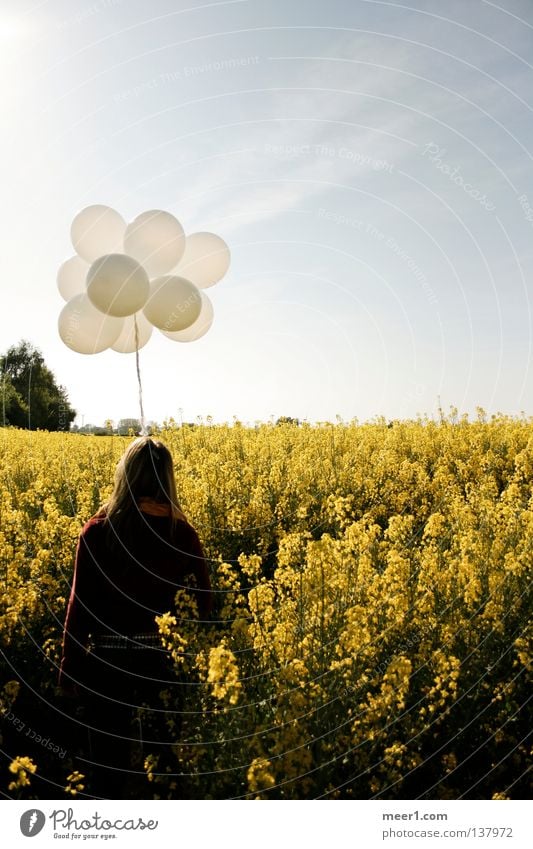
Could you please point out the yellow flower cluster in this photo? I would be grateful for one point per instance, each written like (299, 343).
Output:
(22, 768)
(172, 639)
(223, 674)
(260, 776)
(75, 783)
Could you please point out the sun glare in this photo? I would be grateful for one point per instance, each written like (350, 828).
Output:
(12, 31)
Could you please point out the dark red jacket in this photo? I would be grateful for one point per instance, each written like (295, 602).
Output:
(121, 593)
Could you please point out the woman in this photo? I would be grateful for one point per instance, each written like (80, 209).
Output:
(131, 559)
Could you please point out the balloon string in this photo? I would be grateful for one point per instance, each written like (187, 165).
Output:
(143, 428)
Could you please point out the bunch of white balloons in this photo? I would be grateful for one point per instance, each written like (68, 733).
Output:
(126, 279)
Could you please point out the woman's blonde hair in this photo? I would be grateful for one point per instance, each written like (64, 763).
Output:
(145, 470)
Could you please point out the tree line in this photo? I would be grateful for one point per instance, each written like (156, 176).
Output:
(31, 398)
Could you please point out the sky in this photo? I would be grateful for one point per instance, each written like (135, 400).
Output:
(368, 163)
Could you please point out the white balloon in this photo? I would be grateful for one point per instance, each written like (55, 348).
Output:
(71, 277)
(97, 230)
(174, 303)
(117, 284)
(125, 343)
(86, 330)
(156, 239)
(198, 328)
(205, 260)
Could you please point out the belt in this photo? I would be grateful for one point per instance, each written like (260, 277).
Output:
(132, 641)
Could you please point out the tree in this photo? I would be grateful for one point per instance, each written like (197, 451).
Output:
(31, 396)
(96, 430)
(14, 409)
(125, 425)
(287, 420)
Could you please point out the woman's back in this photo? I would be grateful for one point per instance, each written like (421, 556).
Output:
(138, 580)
